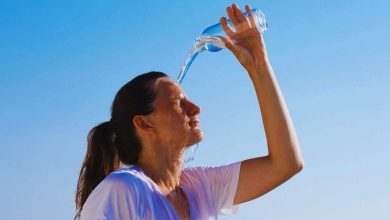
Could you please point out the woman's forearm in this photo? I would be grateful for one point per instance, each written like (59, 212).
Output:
(283, 145)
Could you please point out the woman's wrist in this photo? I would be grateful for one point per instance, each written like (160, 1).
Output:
(260, 67)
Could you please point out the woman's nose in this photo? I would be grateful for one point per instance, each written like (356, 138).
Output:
(193, 108)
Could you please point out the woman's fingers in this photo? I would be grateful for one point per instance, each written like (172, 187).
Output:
(238, 19)
(250, 16)
(238, 14)
(230, 45)
(226, 27)
(232, 17)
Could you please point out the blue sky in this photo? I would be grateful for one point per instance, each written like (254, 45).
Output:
(62, 62)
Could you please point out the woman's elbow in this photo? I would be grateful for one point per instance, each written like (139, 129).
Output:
(297, 167)
(293, 167)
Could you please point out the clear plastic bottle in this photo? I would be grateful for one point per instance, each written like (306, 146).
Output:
(210, 36)
(210, 40)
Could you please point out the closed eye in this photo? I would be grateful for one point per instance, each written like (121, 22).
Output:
(177, 101)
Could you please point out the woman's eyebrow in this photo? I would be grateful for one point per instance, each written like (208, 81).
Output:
(176, 96)
(181, 95)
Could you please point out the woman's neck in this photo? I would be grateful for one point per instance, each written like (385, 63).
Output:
(164, 168)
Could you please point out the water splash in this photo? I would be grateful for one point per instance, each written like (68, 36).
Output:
(189, 154)
(202, 43)
(187, 63)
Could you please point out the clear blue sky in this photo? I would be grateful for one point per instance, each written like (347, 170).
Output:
(62, 62)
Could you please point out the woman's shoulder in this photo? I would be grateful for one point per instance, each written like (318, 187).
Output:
(124, 187)
(207, 170)
(201, 175)
(125, 177)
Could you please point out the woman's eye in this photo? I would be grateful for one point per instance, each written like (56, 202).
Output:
(178, 101)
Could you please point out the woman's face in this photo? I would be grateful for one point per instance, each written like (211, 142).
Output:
(175, 116)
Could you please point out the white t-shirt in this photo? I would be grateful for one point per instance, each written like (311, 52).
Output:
(129, 194)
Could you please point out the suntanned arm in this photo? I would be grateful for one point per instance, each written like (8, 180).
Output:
(262, 174)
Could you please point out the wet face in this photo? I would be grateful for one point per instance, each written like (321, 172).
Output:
(175, 116)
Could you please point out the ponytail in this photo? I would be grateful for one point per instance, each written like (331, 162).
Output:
(116, 141)
(100, 160)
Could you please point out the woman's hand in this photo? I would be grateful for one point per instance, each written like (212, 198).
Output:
(246, 43)
(262, 174)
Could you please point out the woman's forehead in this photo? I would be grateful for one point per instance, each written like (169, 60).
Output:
(168, 88)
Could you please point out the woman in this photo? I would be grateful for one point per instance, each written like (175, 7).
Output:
(132, 169)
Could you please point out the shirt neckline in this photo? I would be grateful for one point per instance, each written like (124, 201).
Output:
(155, 186)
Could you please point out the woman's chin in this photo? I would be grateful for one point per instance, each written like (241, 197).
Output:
(196, 138)
(199, 135)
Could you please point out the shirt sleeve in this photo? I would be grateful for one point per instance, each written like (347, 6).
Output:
(223, 182)
(214, 188)
(114, 198)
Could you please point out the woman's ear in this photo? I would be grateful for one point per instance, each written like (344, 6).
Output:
(142, 123)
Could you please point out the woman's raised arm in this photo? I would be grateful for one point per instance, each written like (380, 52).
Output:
(260, 175)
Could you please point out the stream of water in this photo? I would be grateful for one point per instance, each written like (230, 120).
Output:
(209, 43)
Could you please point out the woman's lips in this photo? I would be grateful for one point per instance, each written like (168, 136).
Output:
(194, 123)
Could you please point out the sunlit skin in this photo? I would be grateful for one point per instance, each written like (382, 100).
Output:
(165, 133)
(172, 127)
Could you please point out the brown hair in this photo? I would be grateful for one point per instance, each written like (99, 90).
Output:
(116, 140)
